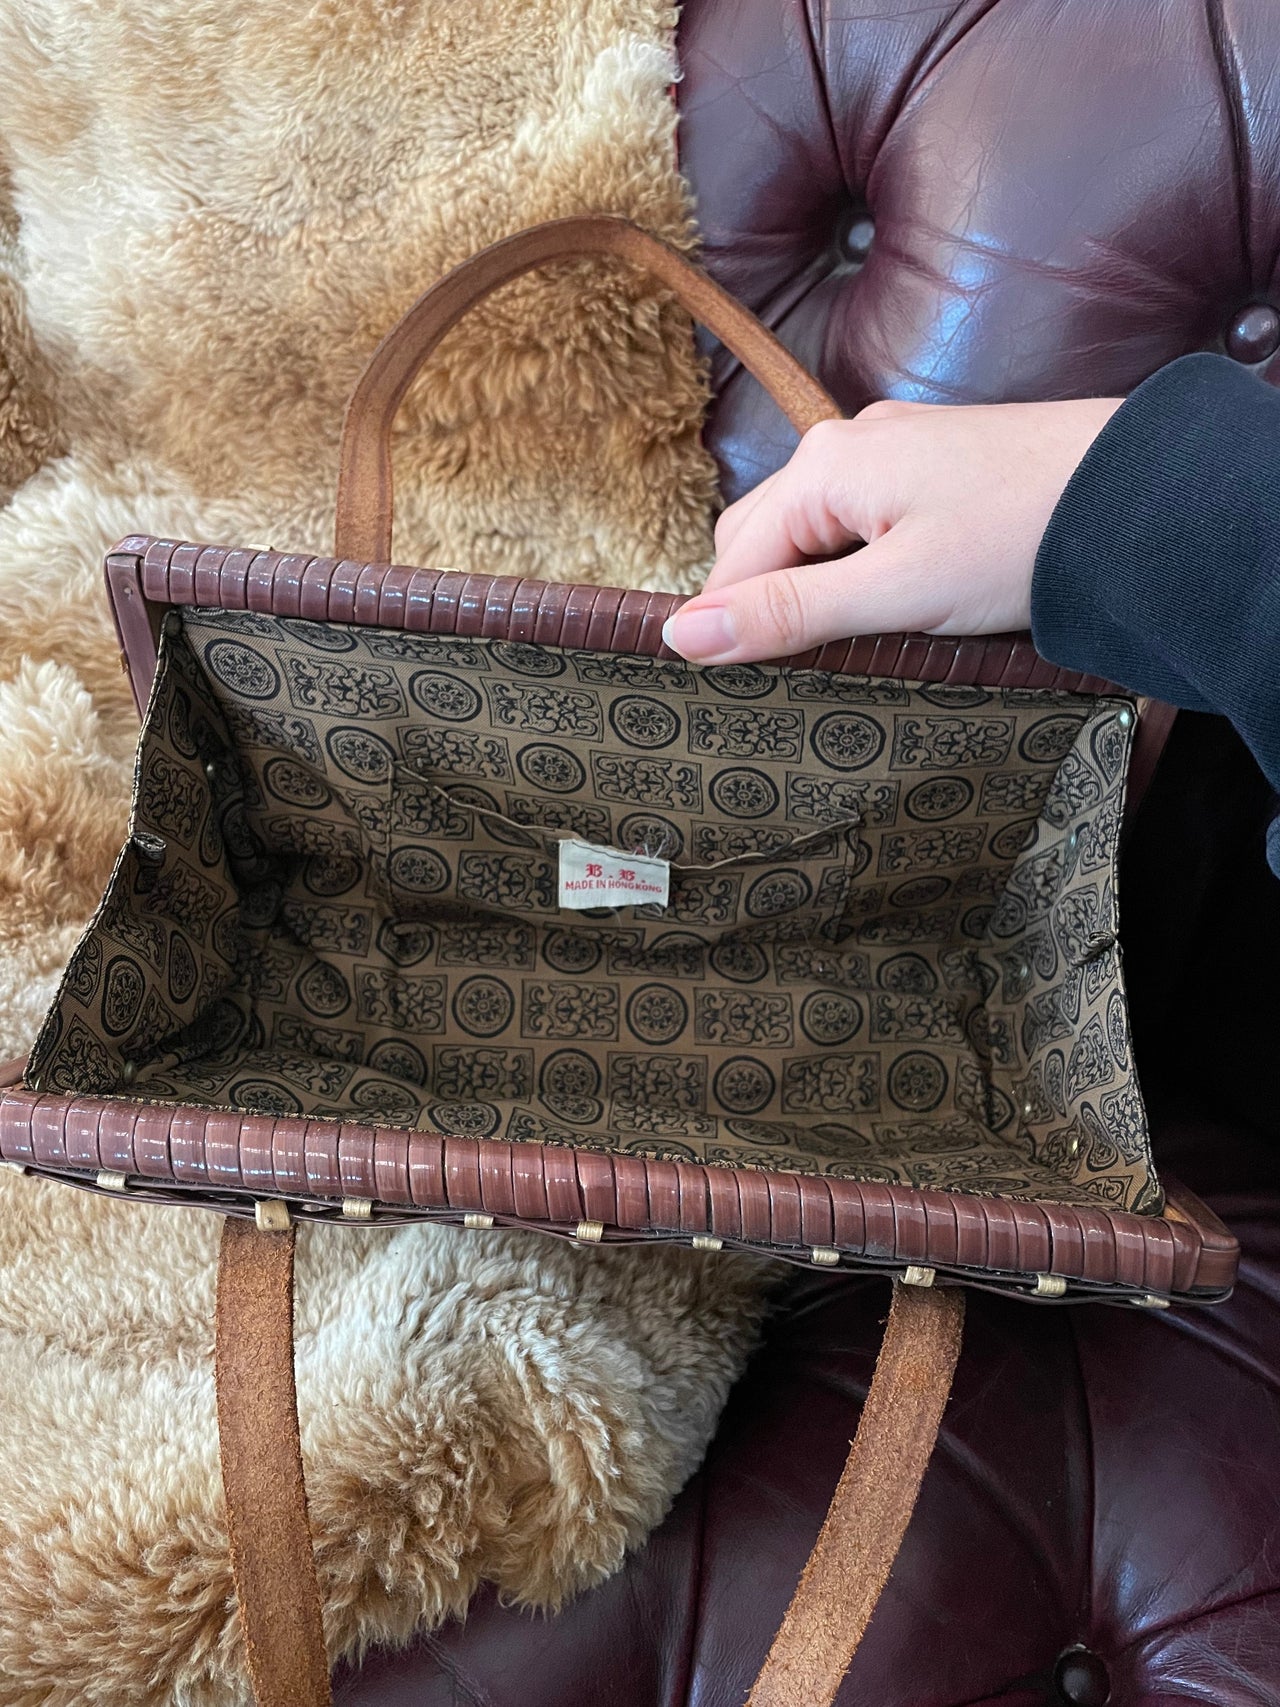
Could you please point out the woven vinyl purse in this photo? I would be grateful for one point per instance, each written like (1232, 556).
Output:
(462, 898)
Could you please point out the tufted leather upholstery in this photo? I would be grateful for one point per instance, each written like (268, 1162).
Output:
(1064, 196)
(987, 200)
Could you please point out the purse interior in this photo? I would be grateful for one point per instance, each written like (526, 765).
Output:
(888, 951)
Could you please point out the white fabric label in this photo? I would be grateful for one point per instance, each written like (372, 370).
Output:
(604, 877)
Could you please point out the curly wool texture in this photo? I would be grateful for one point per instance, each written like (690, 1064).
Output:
(208, 216)
(28, 434)
(479, 1408)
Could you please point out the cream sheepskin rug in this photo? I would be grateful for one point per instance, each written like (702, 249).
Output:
(209, 212)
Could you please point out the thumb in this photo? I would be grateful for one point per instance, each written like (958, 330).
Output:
(895, 584)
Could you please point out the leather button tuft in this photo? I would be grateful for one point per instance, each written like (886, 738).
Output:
(1081, 1679)
(1254, 334)
(854, 239)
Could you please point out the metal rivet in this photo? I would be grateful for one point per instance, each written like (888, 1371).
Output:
(128, 1072)
(589, 1232)
(1152, 1301)
(1254, 334)
(108, 1179)
(1028, 1109)
(1125, 717)
(210, 770)
(272, 1216)
(151, 850)
(477, 1223)
(707, 1242)
(356, 1209)
(1023, 969)
(1050, 1286)
(173, 624)
(826, 1256)
(855, 241)
(915, 1275)
(1073, 840)
(1073, 1147)
(1081, 1679)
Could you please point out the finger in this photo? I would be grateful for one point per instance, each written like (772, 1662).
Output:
(732, 519)
(888, 587)
(791, 522)
(894, 409)
(837, 489)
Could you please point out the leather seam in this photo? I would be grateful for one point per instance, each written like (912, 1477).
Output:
(1180, 1625)
(1224, 59)
(451, 1669)
(924, 66)
(814, 14)
(916, 69)
(683, 1681)
(1085, 1612)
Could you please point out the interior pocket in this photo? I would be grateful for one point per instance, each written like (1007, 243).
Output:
(450, 853)
(767, 880)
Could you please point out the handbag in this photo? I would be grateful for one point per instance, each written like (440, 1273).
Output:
(463, 898)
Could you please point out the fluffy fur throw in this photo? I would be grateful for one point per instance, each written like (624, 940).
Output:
(208, 215)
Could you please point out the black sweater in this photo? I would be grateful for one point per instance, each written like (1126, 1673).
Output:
(1160, 567)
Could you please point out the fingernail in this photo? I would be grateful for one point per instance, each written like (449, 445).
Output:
(700, 632)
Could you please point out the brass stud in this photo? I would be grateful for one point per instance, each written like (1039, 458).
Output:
(478, 1223)
(1153, 1301)
(1124, 717)
(128, 1072)
(108, 1179)
(707, 1242)
(915, 1275)
(589, 1232)
(1050, 1286)
(356, 1209)
(149, 849)
(272, 1216)
(826, 1256)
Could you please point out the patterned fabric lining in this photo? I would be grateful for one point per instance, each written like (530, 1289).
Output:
(889, 951)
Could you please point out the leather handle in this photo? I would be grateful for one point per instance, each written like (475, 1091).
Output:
(271, 1551)
(365, 501)
(872, 1504)
(272, 1560)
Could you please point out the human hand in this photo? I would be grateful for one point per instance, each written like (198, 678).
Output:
(950, 501)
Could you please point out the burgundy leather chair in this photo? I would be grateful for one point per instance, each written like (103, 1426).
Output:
(960, 202)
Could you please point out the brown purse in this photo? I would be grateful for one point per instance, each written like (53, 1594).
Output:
(462, 897)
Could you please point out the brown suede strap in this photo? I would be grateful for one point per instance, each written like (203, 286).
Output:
(364, 473)
(872, 1505)
(271, 1554)
(271, 1551)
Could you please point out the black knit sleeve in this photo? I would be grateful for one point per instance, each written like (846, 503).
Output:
(1160, 567)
